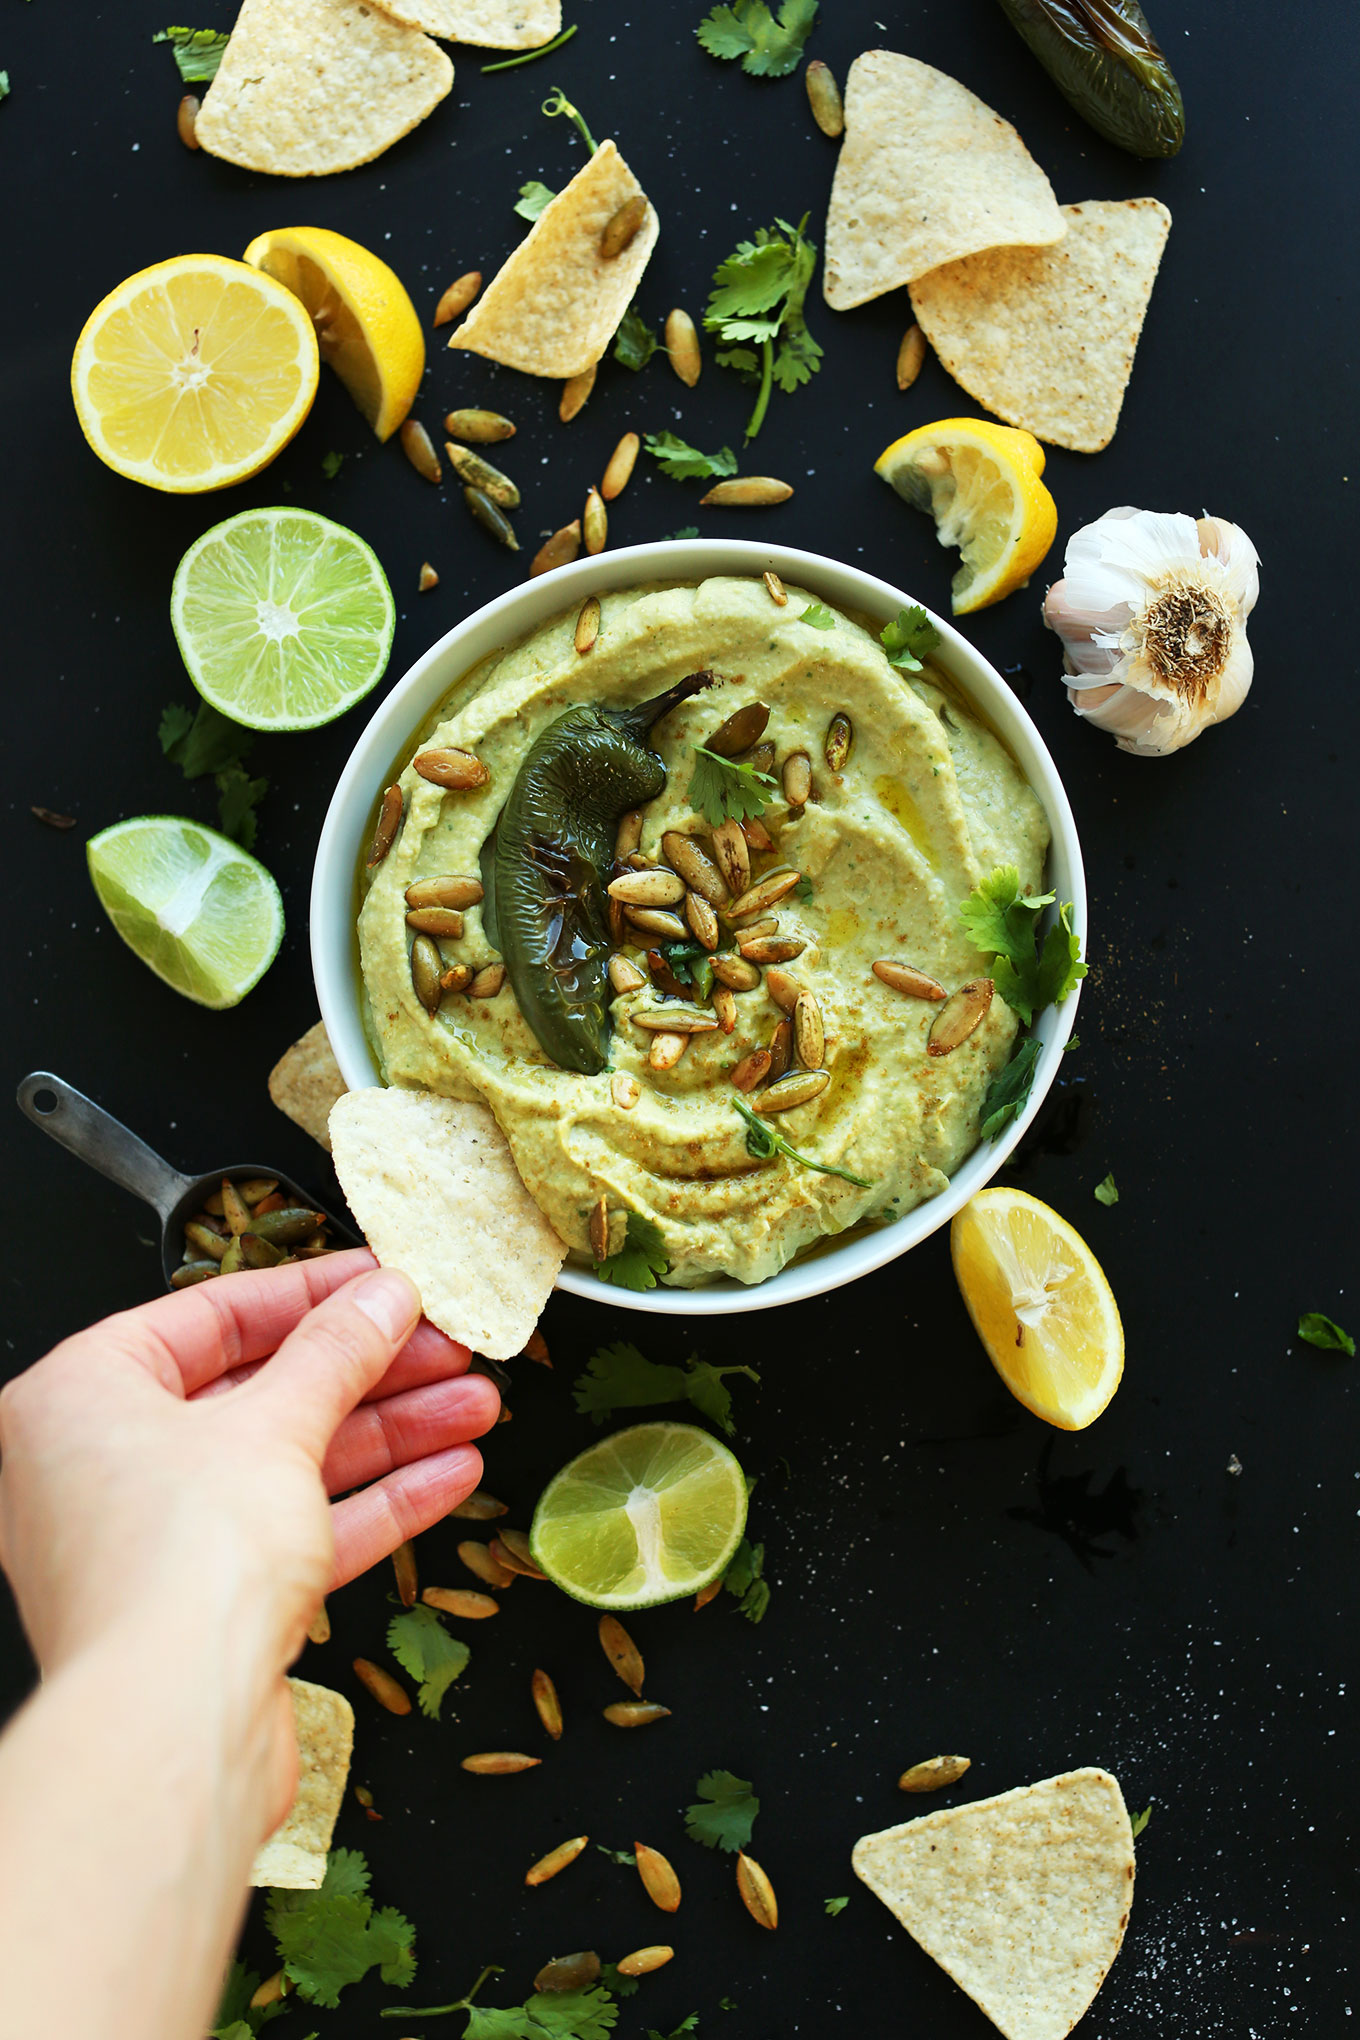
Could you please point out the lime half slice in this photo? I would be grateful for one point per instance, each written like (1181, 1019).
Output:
(651, 1514)
(193, 905)
(284, 619)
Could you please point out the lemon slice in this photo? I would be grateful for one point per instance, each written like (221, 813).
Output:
(651, 1514)
(194, 374)
(195, 907)
(980, 482)
(1041, 1305)
(366, 325)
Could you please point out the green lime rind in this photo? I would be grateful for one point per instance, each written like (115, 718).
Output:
(197, 910)
(284, 618)
(652, 1514)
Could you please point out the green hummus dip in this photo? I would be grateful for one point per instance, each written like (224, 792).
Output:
(928, 804)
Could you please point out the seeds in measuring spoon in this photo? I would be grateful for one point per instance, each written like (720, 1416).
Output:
(656, 888)
(799, 1088)
(456, 771)
(619, 471)
(772, 949)
(623, 227)
(744, 727)
(781, 1049)
(390, 813)
(657, 922)
(587, 625)
(418, 447)
(210, 1245)
(699, 871)
(682, 346)
(958, 1017)
(733, 856)
(746, 492)
(558, 551)
(477, 473)
(595, 522)
(840, 739)
(796, 778)
(736, 972)
(752, 1069)
(479, 428)
(625, 976)
(765, 893)
(488, 981)
(659, 1880)
(809, 1033)
(556, 1860)
(575, 393)
(904, 977)
(450, 889)
(442, 922)
(702, 920)
(189, 1273)
(457, 297)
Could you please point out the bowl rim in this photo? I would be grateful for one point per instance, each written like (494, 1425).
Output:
(521, 609)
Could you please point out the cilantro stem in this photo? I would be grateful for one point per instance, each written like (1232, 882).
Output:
(532, 56)
(757, 418)
(763, 1142)
(464, 2004)
(558, 103)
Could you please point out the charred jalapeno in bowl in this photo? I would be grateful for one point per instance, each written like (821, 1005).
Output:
(546, 863)
(1103, 57)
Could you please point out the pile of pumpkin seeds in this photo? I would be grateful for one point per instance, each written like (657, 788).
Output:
(248, 1223)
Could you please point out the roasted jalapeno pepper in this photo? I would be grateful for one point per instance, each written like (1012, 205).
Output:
(1103, 57)
(546, 862)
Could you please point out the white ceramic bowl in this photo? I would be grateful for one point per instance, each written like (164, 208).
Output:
(345, 833)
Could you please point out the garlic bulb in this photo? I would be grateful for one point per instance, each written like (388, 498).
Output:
(1152, 612)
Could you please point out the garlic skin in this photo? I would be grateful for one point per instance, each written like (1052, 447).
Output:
(1152, 611)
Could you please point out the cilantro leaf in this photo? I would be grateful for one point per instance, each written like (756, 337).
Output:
(726, 1813)
(628, 1857)
(907, 639)
(1317, 1329)
(765, 1143)
(1008, 1090)
(1003, 921)
(238, 796)
(804, 890)
(640, 1259)
(769, 45)
(328, 1939)
(686, 531)
(486, 2023)
(573, 2014)
(174, 726)
(685, 463)
(423, 1647)
(635, 342)
(1140, 1821)
(4, 84)
(689, 2025)
(197, 51)
(681, 958)
(723, 790)
(331, 464)
(534, 198)
(818, 616)
(234, 2016)
(202, 743)
(836, 1906)
(745, 1578)
(1107, 1192)
(758, 295)
(619, 1377)
(610, 1979)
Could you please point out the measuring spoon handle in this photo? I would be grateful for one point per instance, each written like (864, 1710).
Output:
(101, 1140)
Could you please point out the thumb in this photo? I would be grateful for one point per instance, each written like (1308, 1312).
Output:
(339, 1351)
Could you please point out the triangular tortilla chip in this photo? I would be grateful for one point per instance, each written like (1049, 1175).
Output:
(555, 305)
(306, 1081)
(926, 174)
(434, 1188)
(1022, 1899)
(1045, 337)
(486, 24)
(294, 1857)
(307, 87)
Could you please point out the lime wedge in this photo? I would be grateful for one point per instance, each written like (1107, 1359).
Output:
(284, 619)
(651, 1514)
(193, 905)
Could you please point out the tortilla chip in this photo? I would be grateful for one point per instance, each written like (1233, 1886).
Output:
(1045, 337)
(433, 1186)
(306, 1081)
(307, 87)
(1022, 1899)
(926, 174)
(294, 1857)
(486, 24)
(554, 306)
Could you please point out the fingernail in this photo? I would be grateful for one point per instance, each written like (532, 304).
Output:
(389, 1299)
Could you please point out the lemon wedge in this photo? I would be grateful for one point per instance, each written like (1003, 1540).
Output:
(365, 323)
(194, 374)
(1041, 1306)
(980, 482)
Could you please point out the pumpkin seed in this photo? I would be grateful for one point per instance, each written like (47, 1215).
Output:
(809, 1034)
(386, 1690)
(655, 888)
(443, 923)
(595, 522)
(699, 872)
(618, 472)
(752, 1069)
(547, 1704)
(448, 890)
(428, 578)
(781, 1049)
(659, 1880)
(510, 1548)
(623, 1654)
(933, 1774)
(744, 727)
(233, 1260)
(708, 1593)
(757, 1892)
(824, 97)
(569, 1972)
(628, 834)
(319, 1628)
(733, 855)
(491, 518)
(725, 1006)
(783, 989)
(556, 1860)
(418, 447)
(702, 920)
(623, 227)
(762, 758)
(461, 1603)
(234, 1207)
(390, 813)
(792, 1091)
(482, 428)
(777, 591)
(211, 1245)
(457, 297)
(643, 1961)
(587, 625)
(190, 1273)
(575, 394)
(765, 893)
(675, 1019)
(258, 1253)
(186, 121)
(797, 778)
(477, 473)
(290, 1227)
(499, 1763)
(682, 345)
(478, 1507)
(736, 973)
(624, 1090)
(599, 1228)
(666, 1050)
(910, 357)
(270, 1991)
(903, 977)
(536, 1348)
(840, 741)
(457, 978)
(457, 771)
(634, 1713)
(625, 976)
(426, 968)
(746, 492)
(478, 1559)
(958, 1017)
(772, 948)
(657, 922)
(757, 836)
(489, 982)
(404, 1566)
(559, 550)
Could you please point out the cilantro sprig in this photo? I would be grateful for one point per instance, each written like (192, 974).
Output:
(745, 1579)
(423, 1647)
(557, 104)
(818, 616)
(756, 310)
(769, 45)
(1140, 1821)
(236, 2018)
(1004, 923)
(197, 51)
(210, 743)
(557, 2015)
(685, 463)
(908, 638)
(1107, 1191)
(835, 1907)
(534, 198)
(635, 342)
(725, 1813)
(1317, 1329)
(330, 1938)
(723, 790)
(765, 1143)
(620, 1377)
(640, 1259)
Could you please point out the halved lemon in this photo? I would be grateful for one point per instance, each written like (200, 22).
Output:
(365, 323)
(194, 374)
(980, 482)
(1041, 1305)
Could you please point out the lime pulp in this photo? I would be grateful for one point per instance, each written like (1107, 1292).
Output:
(196, 908)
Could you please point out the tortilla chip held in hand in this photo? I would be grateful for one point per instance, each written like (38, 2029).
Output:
(1022, 1899)
(927, 174)
(436, 1192)
(486, 24)
(294, 1857)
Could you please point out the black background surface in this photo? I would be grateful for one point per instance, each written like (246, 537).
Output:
(948, 1574)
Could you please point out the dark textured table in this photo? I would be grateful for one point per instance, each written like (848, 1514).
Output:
(947, 1572)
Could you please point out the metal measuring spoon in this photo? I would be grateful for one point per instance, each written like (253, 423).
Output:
(107, 1145)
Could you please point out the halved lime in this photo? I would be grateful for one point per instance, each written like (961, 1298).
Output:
(651, 1514)
(284, 619)
(193, 905)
